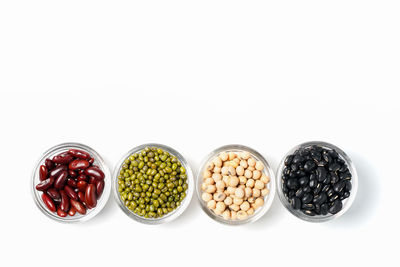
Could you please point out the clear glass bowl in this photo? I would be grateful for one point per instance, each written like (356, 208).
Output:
(268, 199)
(97, 161)
(173, 214)
(346, 202)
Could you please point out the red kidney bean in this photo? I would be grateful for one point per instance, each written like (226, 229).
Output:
(61, 213)
(71, 182)
(81, 197)
(72, 174)
(70, 192)
(62, 154)
(49, 164)
(71, 212)
(79, 153)
(64, 205)
(61, 179)
(57, 170)
(54, 194)
(57, 202)
(90, 196)
(43, 173)
(49, 202)
(99, 188)
(44, 185)
(78, 206)
(81, 185)
(92, 180)
(63, 158)
(78, 164)
(82, 177)
(95, 172)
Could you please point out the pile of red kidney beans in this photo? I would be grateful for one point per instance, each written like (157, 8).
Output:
(70, 183)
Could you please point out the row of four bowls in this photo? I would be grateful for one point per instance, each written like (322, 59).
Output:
(111, 183)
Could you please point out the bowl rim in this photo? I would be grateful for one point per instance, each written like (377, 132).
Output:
(171, 215)
(346, 202)
(268, 200)
(100, 162)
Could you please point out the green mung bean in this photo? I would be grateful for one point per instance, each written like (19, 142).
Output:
(152, 182)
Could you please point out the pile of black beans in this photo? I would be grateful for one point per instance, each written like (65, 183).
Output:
(316, 180)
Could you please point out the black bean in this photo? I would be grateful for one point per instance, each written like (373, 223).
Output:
(334, 167)
(326, 188)
(294, 166)
(300, 193)
(300, 173)
(347, 186)
(317, 189)
(288, 160)
(336, 207)
(292, 184)
(334, 178)
(327, 157)
(306, 189)
(327, 180)
(341, 193)
(317, 148)
(321, 173)
(314, 179)
(285, 189)
(340, 161)
(286, 171)
(343, 168)
(303, 180)
(339, 186)
(297, 159)
(313, 183)
(333, 197)
(345, 176)
(296, 203)
(315, 155)
(322, 163)
(319, 199)
(330, 192)
(324, 209)
(333, 154)
(345, 195)
(304, 152)
(309, 212)
(308, 206)
(317, 209)
(307, 198)
(309, 166)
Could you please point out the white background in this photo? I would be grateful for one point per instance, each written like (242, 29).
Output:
(196, 75)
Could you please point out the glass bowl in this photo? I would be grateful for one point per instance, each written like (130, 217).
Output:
(97, 161)
(169, 216)
(346, 202)
(268, 199)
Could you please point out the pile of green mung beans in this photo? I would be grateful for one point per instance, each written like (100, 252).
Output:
(152, 182)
